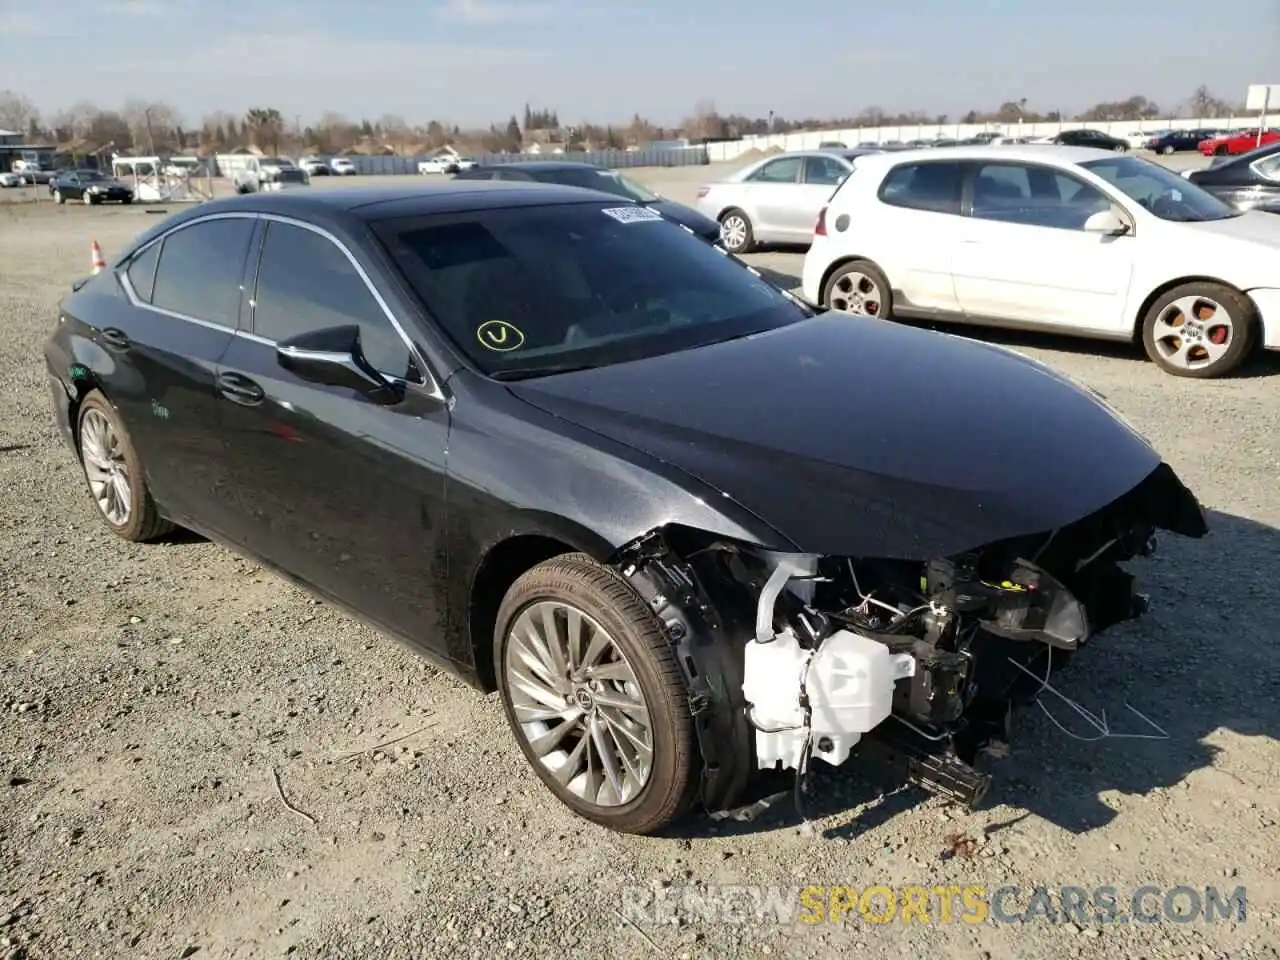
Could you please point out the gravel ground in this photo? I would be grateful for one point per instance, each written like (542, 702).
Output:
(150, 692)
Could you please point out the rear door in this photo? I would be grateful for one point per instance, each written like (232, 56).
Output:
(339, 491)
(1025, 257)
(160, 352)
(819, 179)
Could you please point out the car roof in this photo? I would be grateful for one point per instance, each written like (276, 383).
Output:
(414, 199)
(1017, 153)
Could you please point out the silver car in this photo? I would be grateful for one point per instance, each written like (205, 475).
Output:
(777, 199)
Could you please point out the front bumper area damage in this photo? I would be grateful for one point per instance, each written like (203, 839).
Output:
(789, 657)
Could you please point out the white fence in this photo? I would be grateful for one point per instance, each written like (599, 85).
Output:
(808, 140)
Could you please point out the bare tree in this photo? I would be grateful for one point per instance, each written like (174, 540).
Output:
(1202, 103)
(395, 131)
(16, 112)
(705, 122)
(152, 124)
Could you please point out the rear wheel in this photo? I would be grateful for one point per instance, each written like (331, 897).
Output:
(1167, 149)
(860, 288)
(114, 473)
(1200, 329)
(736, 234)
(58, 197)
(594, 696)
(1220, 151)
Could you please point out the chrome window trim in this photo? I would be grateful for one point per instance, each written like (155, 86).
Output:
(428, 381)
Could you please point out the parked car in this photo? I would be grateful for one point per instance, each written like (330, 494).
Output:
(10, 180)
(1237, 141)
(576, 456)
(1250, 181)
(315, 166)
(1090, 138)
(832, 145)
(1063, 239)
(1175, 141)
(342, 167)
(269, 173)
(89, 187)
(775, 200)
(445, 164)
(592, 177)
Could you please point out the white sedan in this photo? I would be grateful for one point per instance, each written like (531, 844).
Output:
(1062, 239)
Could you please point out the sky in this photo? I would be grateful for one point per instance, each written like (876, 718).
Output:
(471, 62)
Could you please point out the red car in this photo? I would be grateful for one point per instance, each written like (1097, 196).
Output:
(1238, 141)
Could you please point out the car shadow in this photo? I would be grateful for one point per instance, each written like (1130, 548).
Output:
(779, 278)
(1260, 364)
(1198, 665)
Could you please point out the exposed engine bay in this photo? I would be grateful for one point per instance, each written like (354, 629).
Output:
(790, 657)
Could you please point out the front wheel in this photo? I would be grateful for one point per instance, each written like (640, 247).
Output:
(1200, 329)
(58, 197)
(1221, 151)
(594, 696)
(1168, 149)
(736, 234)
(114, 472)
(1121, 148)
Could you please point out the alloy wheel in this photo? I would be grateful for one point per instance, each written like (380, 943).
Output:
(855, 292)
(1193, 332)
(105, 467)
(578, 704)
(733, 231)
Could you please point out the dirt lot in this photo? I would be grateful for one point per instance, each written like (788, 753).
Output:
(150, 692)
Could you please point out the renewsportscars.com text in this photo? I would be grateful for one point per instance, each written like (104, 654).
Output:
(942, 904)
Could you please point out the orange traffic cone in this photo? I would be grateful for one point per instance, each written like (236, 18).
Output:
(97, 261)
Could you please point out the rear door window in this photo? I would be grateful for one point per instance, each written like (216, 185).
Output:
(782, 170)
(825, 171)
(142, 272)
(201, 270)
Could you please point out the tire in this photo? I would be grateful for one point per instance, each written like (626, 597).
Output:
(126, 200)
(1167, 149)
(142, 521)
(575, 581)
(58, 197)
(1220, 151)
(1121, 148)
(1167, 315)
(876, 290)
(744, 239)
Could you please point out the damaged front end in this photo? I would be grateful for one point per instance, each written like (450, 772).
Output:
(790, 656)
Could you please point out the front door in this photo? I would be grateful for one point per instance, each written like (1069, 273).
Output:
(160, 347)
(340, 491)
(1024, 255)
(771, 195)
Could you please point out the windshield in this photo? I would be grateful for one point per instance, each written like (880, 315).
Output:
(1160, 191)
(528, 291)
(595, 179)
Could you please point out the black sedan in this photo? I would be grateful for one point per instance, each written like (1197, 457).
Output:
(569, 173)
(571, 453)
(89, 186)
(1250, 181)
(1178, 141)
(1091, 138)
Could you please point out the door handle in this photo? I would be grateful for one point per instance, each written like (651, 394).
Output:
(115, 339)
(240, 389)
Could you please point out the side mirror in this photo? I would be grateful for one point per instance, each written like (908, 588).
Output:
(1107, 222)
(333, 357)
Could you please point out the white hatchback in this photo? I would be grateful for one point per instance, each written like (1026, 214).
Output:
(1062, 239)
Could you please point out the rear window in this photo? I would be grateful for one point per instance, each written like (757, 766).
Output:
(592, 179)
(528, 291)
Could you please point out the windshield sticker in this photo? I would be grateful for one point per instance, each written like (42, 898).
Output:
(631, 214)
(500, 336)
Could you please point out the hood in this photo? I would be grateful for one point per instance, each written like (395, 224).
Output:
(699, 223)
(856, 437)
(1254, 227)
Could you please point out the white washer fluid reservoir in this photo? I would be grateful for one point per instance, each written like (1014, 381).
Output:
(850, 682)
